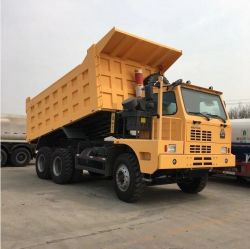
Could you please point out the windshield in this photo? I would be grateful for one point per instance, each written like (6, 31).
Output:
(197, 102)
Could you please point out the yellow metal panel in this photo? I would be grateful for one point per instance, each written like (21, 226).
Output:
(116, 78)
(205, 148)
(68, 99)
(152, 156)
(171, 128)
(141, 148)
(208, 132)
(187, 161)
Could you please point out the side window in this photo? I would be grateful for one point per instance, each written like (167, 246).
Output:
(169, 106)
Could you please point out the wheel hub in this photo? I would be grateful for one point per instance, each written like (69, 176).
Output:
(21, 157)
(57, 166)
(41, 163)
(122, 177)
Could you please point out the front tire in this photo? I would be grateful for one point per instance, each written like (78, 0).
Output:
(62, 166)
(43, 161)
(4, 157)
(128, 180)
(20, 157)
(194, 185)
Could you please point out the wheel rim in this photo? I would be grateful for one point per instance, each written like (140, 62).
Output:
(21, 157)
(41, 163)
(122, 177)
(57, 166)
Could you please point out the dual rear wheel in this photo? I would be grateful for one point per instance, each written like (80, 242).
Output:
(57, 165)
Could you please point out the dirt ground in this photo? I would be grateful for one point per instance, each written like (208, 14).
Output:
(40, 214)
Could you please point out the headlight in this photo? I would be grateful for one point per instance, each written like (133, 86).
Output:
(223, 150)
(170, 148)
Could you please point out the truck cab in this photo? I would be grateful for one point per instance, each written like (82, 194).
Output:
(191, 130)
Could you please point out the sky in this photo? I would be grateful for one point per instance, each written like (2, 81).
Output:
(42, 40)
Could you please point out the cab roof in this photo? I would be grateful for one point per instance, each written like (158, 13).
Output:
(199, 88)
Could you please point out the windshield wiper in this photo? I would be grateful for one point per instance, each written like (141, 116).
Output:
(200, 114)
(216, 116)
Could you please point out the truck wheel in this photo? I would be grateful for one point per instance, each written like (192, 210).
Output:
(128, 180)
(62, 167)
(4, 157)
(20, 157)
(193, 186)
(43, 161)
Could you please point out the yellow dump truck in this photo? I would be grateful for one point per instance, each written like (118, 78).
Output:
(117, 115)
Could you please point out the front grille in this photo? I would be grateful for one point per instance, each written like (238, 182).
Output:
(206, 136)
(202, 161)
(196, 149)
(205, 149)
(200, 135)
(195, 135)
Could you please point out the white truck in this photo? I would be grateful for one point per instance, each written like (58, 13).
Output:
(14, 148)
(240, 148)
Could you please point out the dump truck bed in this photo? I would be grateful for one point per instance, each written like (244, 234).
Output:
(101, 82)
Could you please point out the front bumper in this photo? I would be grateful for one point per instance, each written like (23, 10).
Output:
(167, 161)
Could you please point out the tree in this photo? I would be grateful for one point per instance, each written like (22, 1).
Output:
(239, 112)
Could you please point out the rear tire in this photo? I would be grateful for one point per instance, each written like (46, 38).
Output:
(20, 157)
(128, 180)
(62, 166)
(43, 161)
(193, 186)
(4, 157)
